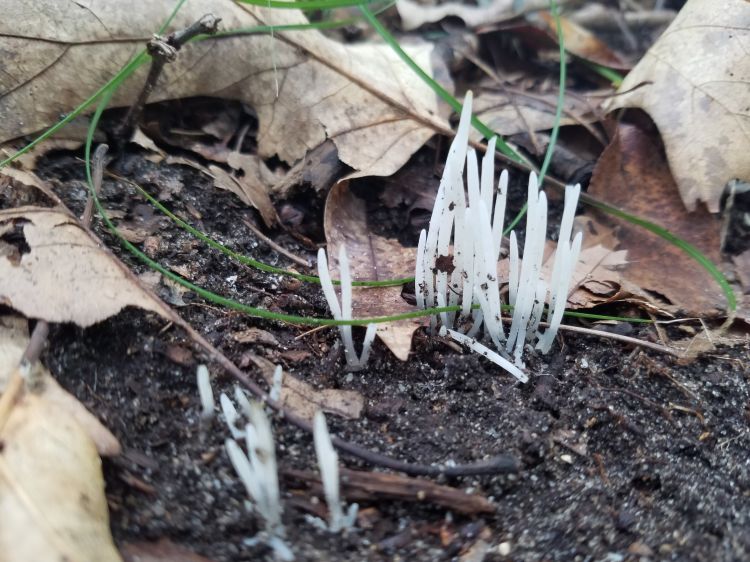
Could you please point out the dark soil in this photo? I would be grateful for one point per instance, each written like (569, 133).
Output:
(624, 454)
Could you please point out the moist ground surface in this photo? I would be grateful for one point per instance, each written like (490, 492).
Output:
(624, 454)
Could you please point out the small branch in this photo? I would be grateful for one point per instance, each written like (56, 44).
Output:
(14, 386)
(357, 485)
(162, 51)
(97, 172)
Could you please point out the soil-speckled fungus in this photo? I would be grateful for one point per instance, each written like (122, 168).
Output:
(467, 274)
(205, 392)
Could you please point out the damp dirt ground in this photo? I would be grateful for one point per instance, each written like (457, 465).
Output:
(624, 454)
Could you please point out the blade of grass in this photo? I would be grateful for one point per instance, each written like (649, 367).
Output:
(558, 114)
(437, 88)
(560, 94)
(246, 260)
(613, 76)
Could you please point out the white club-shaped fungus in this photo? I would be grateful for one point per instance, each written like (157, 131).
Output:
(205, 392)
(470, 221)
(328, 462)
(258, 472)
(343, 310)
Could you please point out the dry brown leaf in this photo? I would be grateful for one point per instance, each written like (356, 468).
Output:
(250, 189)
(64, 275)
(373, 258)
(255, 335)
(13, 341)
(596, 277)
(302, 399)
(693, 84)
(51, 489)
(252, 165)
(303, 86)
(520, 113)
(582, 43)
(29, 159)
(29, 179)
(632, 175)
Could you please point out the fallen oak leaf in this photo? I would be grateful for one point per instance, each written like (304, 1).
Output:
(363, 97)
(64, 275)
(631, 174)
(693, 84)
(51, 488)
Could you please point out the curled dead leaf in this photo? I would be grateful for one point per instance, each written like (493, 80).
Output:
(693, 84)
(63, 274)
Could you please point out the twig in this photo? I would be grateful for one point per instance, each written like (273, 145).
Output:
(296, 259)
(96, 176)
(162, 51)
(618, 337)
(14, 386)
(358, 485)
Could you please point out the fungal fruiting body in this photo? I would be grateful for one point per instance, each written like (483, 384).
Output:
(457, 257)
(343, 310)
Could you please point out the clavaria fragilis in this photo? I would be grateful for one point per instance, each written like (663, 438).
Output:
(473, 227)
(257, 468)
(328, 462)
(343, 310)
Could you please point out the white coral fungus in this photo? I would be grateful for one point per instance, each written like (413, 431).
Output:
(457, 257)
(343, 310)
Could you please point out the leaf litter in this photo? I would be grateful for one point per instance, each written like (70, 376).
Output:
(441, 406)
(51, 484)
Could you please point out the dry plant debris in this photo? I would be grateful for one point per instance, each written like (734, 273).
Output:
(305, 87)
(693, 84)
(632, 175)
(51, 485)
(62, 274)
(567, 456)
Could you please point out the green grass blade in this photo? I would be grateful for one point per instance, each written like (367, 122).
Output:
(560, 94)
(246, 260)
(614, 77)
(437, 88)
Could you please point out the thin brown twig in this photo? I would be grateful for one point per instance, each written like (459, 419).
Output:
(97, 171)
(14, 387)
(162, 51)
(296, 259)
